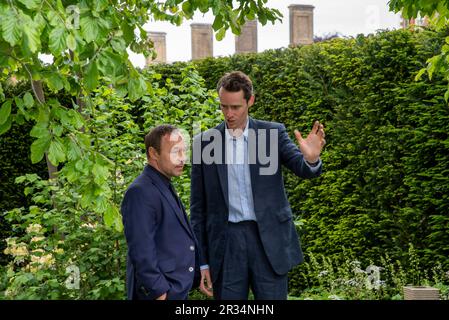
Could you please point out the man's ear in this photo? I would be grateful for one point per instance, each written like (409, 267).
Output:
(153, 154)
(251, 100)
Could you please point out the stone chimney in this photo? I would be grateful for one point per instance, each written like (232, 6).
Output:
(247, 40)
(301, 24)
(202, 40)
(158, 39)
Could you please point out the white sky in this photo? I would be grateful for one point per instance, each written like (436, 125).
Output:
(347, 17)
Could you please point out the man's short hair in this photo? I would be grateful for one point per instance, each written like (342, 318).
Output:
(234, 82)
(154, 137)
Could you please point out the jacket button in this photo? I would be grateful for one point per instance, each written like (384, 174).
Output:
(192, 248)
(191, 269)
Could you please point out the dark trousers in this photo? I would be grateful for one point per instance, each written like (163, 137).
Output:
(246, 266)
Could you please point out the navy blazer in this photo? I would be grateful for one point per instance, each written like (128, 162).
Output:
(209, 209)
(161, 244)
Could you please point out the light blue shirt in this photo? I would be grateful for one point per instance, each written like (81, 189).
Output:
(241, 203)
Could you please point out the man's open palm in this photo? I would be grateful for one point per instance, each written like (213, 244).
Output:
(312, 145)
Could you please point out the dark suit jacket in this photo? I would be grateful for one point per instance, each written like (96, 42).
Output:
(209, 210)
(161, 244)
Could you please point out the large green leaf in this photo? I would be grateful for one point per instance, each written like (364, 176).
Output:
(56, 152)
(6, 126)
(112, 217)
(38, 148)
(136, 88)
(58, 40)
(71, 42)
(11, 27)
(40, 131)
(91, 76)
(5, 111)
(31, 4)
(31, 34)
(28, 100)
(89, 28)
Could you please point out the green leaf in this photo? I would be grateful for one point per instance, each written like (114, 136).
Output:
(31, 34)
(112, 217)
(56, 152)
(136, 88)
(119, 45)
(30, 4)
(71, 42)
(89, 28)
(128, 32)
(54, 81)
(6, 126)
(73, 150)
(28, 100)
(419, 74)
(11, 27)
(100, 5)
(40, 130)
(218, 22)
(5, 111)
(91, 76)
(57, 40)
(38, 148)
(432, 65)
(187, 9)
(220, 34)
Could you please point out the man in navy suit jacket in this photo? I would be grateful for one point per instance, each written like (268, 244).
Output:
(162, 252)
(239, 209)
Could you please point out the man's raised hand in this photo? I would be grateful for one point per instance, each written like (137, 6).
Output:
(312, 145)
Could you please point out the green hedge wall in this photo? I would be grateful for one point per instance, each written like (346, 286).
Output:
(385, 182)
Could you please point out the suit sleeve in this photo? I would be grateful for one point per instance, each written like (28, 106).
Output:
(140, 225)
(293, 159)
(198, 215)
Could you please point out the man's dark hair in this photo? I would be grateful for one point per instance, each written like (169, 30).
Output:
(234, 82)
(153, 138)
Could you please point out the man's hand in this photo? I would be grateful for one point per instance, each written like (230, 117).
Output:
(206, 283)
(311, 146)
(163, 297)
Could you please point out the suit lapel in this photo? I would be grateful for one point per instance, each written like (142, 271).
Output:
(166, 193)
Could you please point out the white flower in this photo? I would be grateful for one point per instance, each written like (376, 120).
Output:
(323, 273)
(37, 239)
(36, 228)
(334, 297)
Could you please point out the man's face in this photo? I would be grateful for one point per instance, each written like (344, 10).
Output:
(235, 108)
(172, 157)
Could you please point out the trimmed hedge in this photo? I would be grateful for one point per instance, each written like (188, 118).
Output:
(386, 163)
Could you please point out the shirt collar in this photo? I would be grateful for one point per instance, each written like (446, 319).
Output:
(245, 132)
(164, 179)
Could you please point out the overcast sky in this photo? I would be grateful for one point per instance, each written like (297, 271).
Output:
(347, 17)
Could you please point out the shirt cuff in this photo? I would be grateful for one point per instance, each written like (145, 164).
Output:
(204, 267)
(314, 167)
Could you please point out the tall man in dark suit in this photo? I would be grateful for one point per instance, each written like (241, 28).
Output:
(161, 244)
(239, 209)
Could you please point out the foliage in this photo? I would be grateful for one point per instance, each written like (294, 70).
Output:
(383, 194)
(347, 279)
(438, 13)
(69, 234)
(88, 42)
